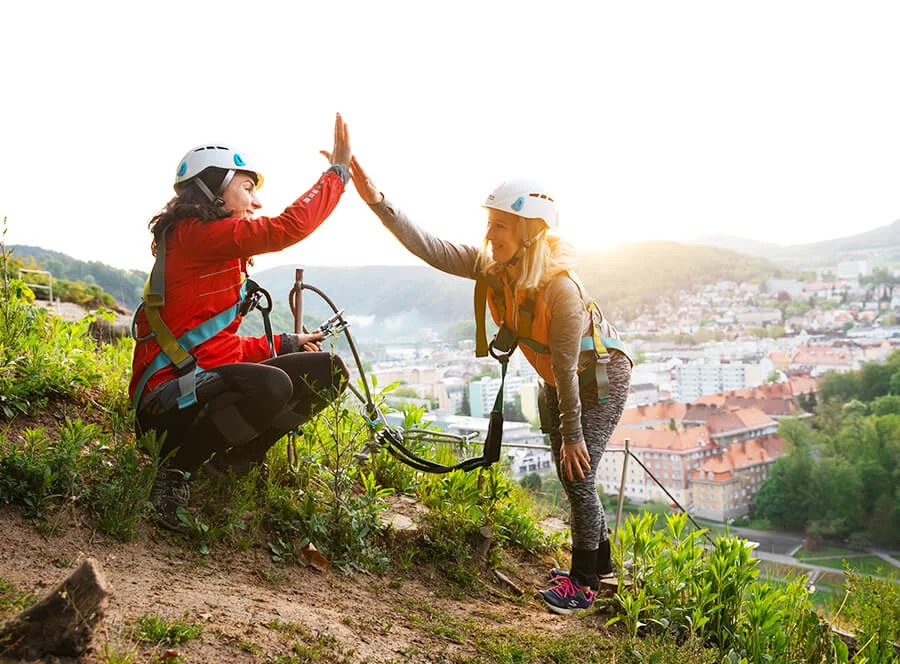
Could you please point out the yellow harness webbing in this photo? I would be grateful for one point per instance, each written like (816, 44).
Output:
(481, 344)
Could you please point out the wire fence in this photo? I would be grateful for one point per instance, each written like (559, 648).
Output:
(621, 495)
(42, 286)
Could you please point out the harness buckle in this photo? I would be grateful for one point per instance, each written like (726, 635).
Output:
(503, 344)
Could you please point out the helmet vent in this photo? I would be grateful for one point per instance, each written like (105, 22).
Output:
(544, 196)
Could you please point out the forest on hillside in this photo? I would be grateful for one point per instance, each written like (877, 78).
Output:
(124, 286)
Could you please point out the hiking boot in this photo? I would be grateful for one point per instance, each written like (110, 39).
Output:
(171, 490)
(566, 596)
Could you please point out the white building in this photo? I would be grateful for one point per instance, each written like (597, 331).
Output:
(483, 393)
(852, 269)
(697, 378)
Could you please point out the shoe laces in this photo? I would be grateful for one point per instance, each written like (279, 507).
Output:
(565, 587)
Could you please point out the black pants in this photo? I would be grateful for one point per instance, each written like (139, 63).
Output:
(242, 409)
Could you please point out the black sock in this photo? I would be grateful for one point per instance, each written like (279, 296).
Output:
(584, 564)
(604, 560)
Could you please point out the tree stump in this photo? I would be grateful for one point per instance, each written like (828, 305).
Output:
(63, 622)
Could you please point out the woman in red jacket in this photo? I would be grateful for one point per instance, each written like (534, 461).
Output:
(195, 380)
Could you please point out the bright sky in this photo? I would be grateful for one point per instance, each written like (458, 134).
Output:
(774, 120)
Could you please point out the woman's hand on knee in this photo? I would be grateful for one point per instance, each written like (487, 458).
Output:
(575, 460)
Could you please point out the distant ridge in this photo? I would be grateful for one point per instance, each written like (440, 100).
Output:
(623, 280)
(880, 245)
(126, 286)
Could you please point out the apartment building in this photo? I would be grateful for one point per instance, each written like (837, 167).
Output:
(671, 456)
(697, 378)
(725, 486)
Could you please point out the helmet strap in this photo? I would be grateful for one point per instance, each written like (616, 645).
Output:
(526, 244)
(215, 200)
(226, 180)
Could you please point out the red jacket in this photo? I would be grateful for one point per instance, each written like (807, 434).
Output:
(205, 266)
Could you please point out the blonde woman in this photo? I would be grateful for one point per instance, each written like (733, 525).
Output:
(536, 298)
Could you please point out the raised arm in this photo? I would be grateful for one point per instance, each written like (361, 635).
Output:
(458, 259)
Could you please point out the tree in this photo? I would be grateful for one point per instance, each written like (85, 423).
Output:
(834, 498)
(840, 386)
(531, 482)
(795, 431)
(886, 405)
(465, 407)
(807, 402)
(783, 498)
(874, 380)
(894, 383)
(512, 410)
(884, 524)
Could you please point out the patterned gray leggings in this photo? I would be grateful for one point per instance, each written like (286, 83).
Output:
(588, 521)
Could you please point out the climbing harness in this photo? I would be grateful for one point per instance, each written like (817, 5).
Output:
(396, 440)
(594, 342)
(177, 351)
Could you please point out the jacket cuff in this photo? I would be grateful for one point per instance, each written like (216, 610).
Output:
(341, 171)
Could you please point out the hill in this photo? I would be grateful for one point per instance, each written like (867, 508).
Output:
(880, 245)
(398, 301)
(125, 286)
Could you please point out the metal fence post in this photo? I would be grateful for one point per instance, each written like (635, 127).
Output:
(622, 487)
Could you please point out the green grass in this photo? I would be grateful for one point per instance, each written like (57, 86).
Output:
(582, 641)
(835, 557)
(156, 630)
(309, 645)
(12, 601)
(826, 552)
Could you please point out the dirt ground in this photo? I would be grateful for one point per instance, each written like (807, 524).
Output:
(254, 610)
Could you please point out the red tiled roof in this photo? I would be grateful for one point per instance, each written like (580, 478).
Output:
(662, 439)
(739, 456)
(662, 410)
(802, 384)
(821, 355)
(738, 419)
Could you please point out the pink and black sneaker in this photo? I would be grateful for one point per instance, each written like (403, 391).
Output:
(566, 596)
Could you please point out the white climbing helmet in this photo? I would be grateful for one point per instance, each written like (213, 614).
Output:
(207, 156)
(526, 199)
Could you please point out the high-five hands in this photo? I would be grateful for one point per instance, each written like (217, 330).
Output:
(364, 185)
(341, 152)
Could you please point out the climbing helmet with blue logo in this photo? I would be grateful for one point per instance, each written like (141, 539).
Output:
(206, 156)
(526, 199)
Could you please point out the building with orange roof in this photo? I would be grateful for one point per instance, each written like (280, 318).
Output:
(653, 416)
(730, 436)
(776, 400)
(727, 428)
(816, 359)
(802, 384)
(671, 456)
(780, 360)
(725, 487)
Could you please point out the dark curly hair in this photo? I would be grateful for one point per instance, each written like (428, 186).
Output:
(189, 202)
